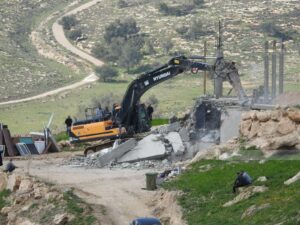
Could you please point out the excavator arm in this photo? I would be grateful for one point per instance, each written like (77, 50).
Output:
(143, 83)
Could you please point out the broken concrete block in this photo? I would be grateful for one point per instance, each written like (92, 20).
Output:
(150, 147)
(176, 142)
(184, 134)
(173, 127)
(104, 158)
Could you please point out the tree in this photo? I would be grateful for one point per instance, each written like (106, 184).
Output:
(106, 73)
(68, 22)
(99, 51)
(74, 34)
(123, 29)
(130, 56)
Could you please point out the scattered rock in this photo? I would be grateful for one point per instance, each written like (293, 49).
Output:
(245, 193)
(262, 179)
(61, 219)
(245, 127)
(26, 185)
(6, 210)
(293, 179)
(254, 209)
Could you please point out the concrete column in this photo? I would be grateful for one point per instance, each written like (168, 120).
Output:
(205, 72)
(281, 68)
(274, 70)
(266, 72)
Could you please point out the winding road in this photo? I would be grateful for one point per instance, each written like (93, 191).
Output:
(60, 37)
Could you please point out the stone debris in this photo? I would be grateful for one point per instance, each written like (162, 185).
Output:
(272, 129)
(176, 142)
(245, 193)
(293, 179)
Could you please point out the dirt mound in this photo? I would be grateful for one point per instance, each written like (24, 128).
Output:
(166, 208)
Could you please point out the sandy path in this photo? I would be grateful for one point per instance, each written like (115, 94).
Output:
(119, 190)
(60, 37)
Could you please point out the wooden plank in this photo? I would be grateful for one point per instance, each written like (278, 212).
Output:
(11, 150)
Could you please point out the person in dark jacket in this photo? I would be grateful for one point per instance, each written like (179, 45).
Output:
(10, 167)
(243, 179)
(68, 123)
(1, 162)
(150, 111)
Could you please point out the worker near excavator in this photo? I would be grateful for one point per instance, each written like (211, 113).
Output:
(150, 111)
(99, 113)
(68, 123)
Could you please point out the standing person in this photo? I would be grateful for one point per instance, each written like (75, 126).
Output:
(243, 179)
(68, 123)
(10, 167)
(99, 113)
(150, 111)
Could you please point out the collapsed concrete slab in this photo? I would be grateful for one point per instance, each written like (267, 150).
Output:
(176, 142)
(106, 156)
(150, 147)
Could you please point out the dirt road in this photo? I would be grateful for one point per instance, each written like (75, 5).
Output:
(60, 37)
(119, 190)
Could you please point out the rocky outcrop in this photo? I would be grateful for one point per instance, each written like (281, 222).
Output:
(272, 129)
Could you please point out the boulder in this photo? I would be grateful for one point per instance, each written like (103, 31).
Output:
(61, 219)
(263, 116)
(11, 217)
(245, 127)
(294, 115)
(286, 141)
(286, 126)
(250, 115)
(268, 129)
(276, 114)
(255, 128)
(24, 221)
(293, 179)
(13, 182)
(26, 185)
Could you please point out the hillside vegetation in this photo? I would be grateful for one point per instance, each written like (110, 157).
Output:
(247, 24)
(208, 185)
(23, 72)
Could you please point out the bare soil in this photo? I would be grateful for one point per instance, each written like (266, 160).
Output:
(118, 193)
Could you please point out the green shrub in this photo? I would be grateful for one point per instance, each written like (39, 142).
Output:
(106, 73)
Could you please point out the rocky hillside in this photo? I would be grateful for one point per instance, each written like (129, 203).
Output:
(247, 24)
(28, 201)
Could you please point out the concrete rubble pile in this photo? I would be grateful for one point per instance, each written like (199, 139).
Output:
(180, 140)
(277, 129)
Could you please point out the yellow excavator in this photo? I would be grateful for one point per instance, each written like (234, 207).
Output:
(132, 117)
